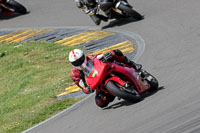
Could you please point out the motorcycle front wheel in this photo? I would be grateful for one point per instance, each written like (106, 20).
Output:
(119, 92)
(19, 8)
(130, 12)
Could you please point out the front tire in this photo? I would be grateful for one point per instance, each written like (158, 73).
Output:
(130, 12)
(19, 8)
(113, 88)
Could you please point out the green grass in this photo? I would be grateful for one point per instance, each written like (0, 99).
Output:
(31, 74)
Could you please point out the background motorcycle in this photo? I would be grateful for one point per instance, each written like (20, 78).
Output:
(115, 9)
(11, 6)
(119, 80)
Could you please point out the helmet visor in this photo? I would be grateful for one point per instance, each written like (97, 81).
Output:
(79, 62)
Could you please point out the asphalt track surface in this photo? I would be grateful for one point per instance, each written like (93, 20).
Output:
(171, 30)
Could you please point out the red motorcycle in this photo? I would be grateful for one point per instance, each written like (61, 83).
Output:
(119, 80)
(8, 7)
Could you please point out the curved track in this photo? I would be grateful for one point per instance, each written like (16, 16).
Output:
(171, 31)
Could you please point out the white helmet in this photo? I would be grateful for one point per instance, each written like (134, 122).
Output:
(77, 59)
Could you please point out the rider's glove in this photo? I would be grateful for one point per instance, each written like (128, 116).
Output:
(106, 57)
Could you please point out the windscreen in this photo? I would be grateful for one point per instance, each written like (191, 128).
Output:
(89, 67)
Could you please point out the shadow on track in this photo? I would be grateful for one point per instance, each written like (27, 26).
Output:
(120, 22)
(126, 103)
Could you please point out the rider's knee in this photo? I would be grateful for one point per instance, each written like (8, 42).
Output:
(102, 99)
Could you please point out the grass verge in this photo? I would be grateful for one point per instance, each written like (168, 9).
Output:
(31, 74)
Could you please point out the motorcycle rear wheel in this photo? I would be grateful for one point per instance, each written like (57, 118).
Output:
(131, 12)
(113, 88)
(151, 80)
(153, 83)
(19, 8)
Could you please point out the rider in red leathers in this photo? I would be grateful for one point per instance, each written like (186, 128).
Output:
(79, 61)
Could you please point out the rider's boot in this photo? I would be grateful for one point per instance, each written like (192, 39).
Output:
(133, 64)
(104, 18)
(95, 19)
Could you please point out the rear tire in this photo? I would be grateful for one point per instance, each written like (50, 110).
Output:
(151, 80)
(112, 87)
(153, 83)
(130, 12)
(19, 8)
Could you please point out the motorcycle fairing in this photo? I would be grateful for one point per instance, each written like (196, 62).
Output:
(95, 71)
(129, 74)
(116, 79)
